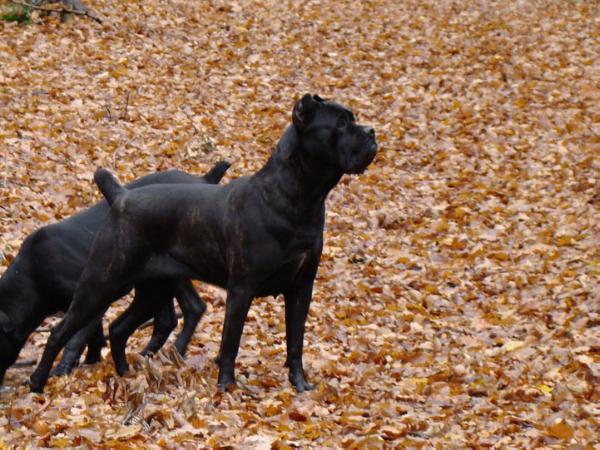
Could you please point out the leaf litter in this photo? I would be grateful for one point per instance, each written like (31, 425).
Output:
(457, 301)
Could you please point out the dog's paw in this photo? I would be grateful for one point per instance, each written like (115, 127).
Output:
(299, 382)
(122, 369)
(226, 382)
(148, 352)
(181, 348)
(62, 369)
(93, 358)
(36, 385)
(227, 387)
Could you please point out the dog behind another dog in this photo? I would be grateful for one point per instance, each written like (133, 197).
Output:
(42, 279)
(255, 236)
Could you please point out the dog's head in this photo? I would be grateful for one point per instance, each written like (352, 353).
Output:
(328, 133)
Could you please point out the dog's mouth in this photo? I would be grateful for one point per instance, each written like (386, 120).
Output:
(369, 155)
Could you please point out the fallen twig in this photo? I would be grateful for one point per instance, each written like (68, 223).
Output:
(25, 363)
(64, 9)
(106, 105)
(125, 113)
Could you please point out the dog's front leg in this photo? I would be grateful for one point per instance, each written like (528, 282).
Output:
(165, 321)
(192, 308)
(3, 368)
(150, 297)
(236, 310)
(74, 348)
(74, 320)
(297, 303)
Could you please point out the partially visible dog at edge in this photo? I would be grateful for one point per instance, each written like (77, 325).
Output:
(258, 235)
(42, 278)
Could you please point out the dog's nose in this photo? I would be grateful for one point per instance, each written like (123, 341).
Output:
(371, 132)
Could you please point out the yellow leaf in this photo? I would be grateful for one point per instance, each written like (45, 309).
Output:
(420, 384)
(501, 256)
(60, 442)
(564, 241)
(458, 213)
(511, 346)
(119, 72)
(521, 102)
(544, 388)
(430, 289)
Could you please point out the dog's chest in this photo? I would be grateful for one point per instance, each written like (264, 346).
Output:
(287, 271)
(285, 276)
(301, 242)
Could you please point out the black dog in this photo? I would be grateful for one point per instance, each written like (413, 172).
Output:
(42, 279)
(256, 236)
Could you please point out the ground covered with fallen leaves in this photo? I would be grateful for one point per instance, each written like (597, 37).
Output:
(457, 302)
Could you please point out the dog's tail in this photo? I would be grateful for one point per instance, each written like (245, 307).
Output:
(108, 185)
(214, 175)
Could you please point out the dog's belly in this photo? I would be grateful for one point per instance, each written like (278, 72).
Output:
(212, 275)
(209, 271)
(199, 255)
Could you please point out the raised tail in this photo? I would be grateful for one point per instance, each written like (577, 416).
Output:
(108, 184)
(214, 175)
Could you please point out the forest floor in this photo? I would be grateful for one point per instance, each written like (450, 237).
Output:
(458, 298)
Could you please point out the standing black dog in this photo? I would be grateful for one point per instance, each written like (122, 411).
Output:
(256, 236)
(43, 277)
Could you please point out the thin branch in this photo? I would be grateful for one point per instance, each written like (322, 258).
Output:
(5, 175)
(25, 363)
(108, 109)
(64, 9)
(125, 113)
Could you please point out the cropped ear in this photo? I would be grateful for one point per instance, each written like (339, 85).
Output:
(6, 324)
(304, 112)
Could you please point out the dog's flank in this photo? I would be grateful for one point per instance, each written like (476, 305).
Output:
(255, 236)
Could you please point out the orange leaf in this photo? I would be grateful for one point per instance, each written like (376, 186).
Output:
(298, 417)
(560, 430)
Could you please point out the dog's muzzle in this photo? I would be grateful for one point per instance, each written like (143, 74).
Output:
(368, 152)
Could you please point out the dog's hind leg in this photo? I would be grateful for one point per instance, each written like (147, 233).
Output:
(94, 345)
(117, 255)
(76, 345)
(193, 308)
(165, 322)
(149, 298)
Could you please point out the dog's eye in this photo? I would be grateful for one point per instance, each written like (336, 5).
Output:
(342, 122)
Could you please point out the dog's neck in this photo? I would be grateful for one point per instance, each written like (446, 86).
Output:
(302, 179)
